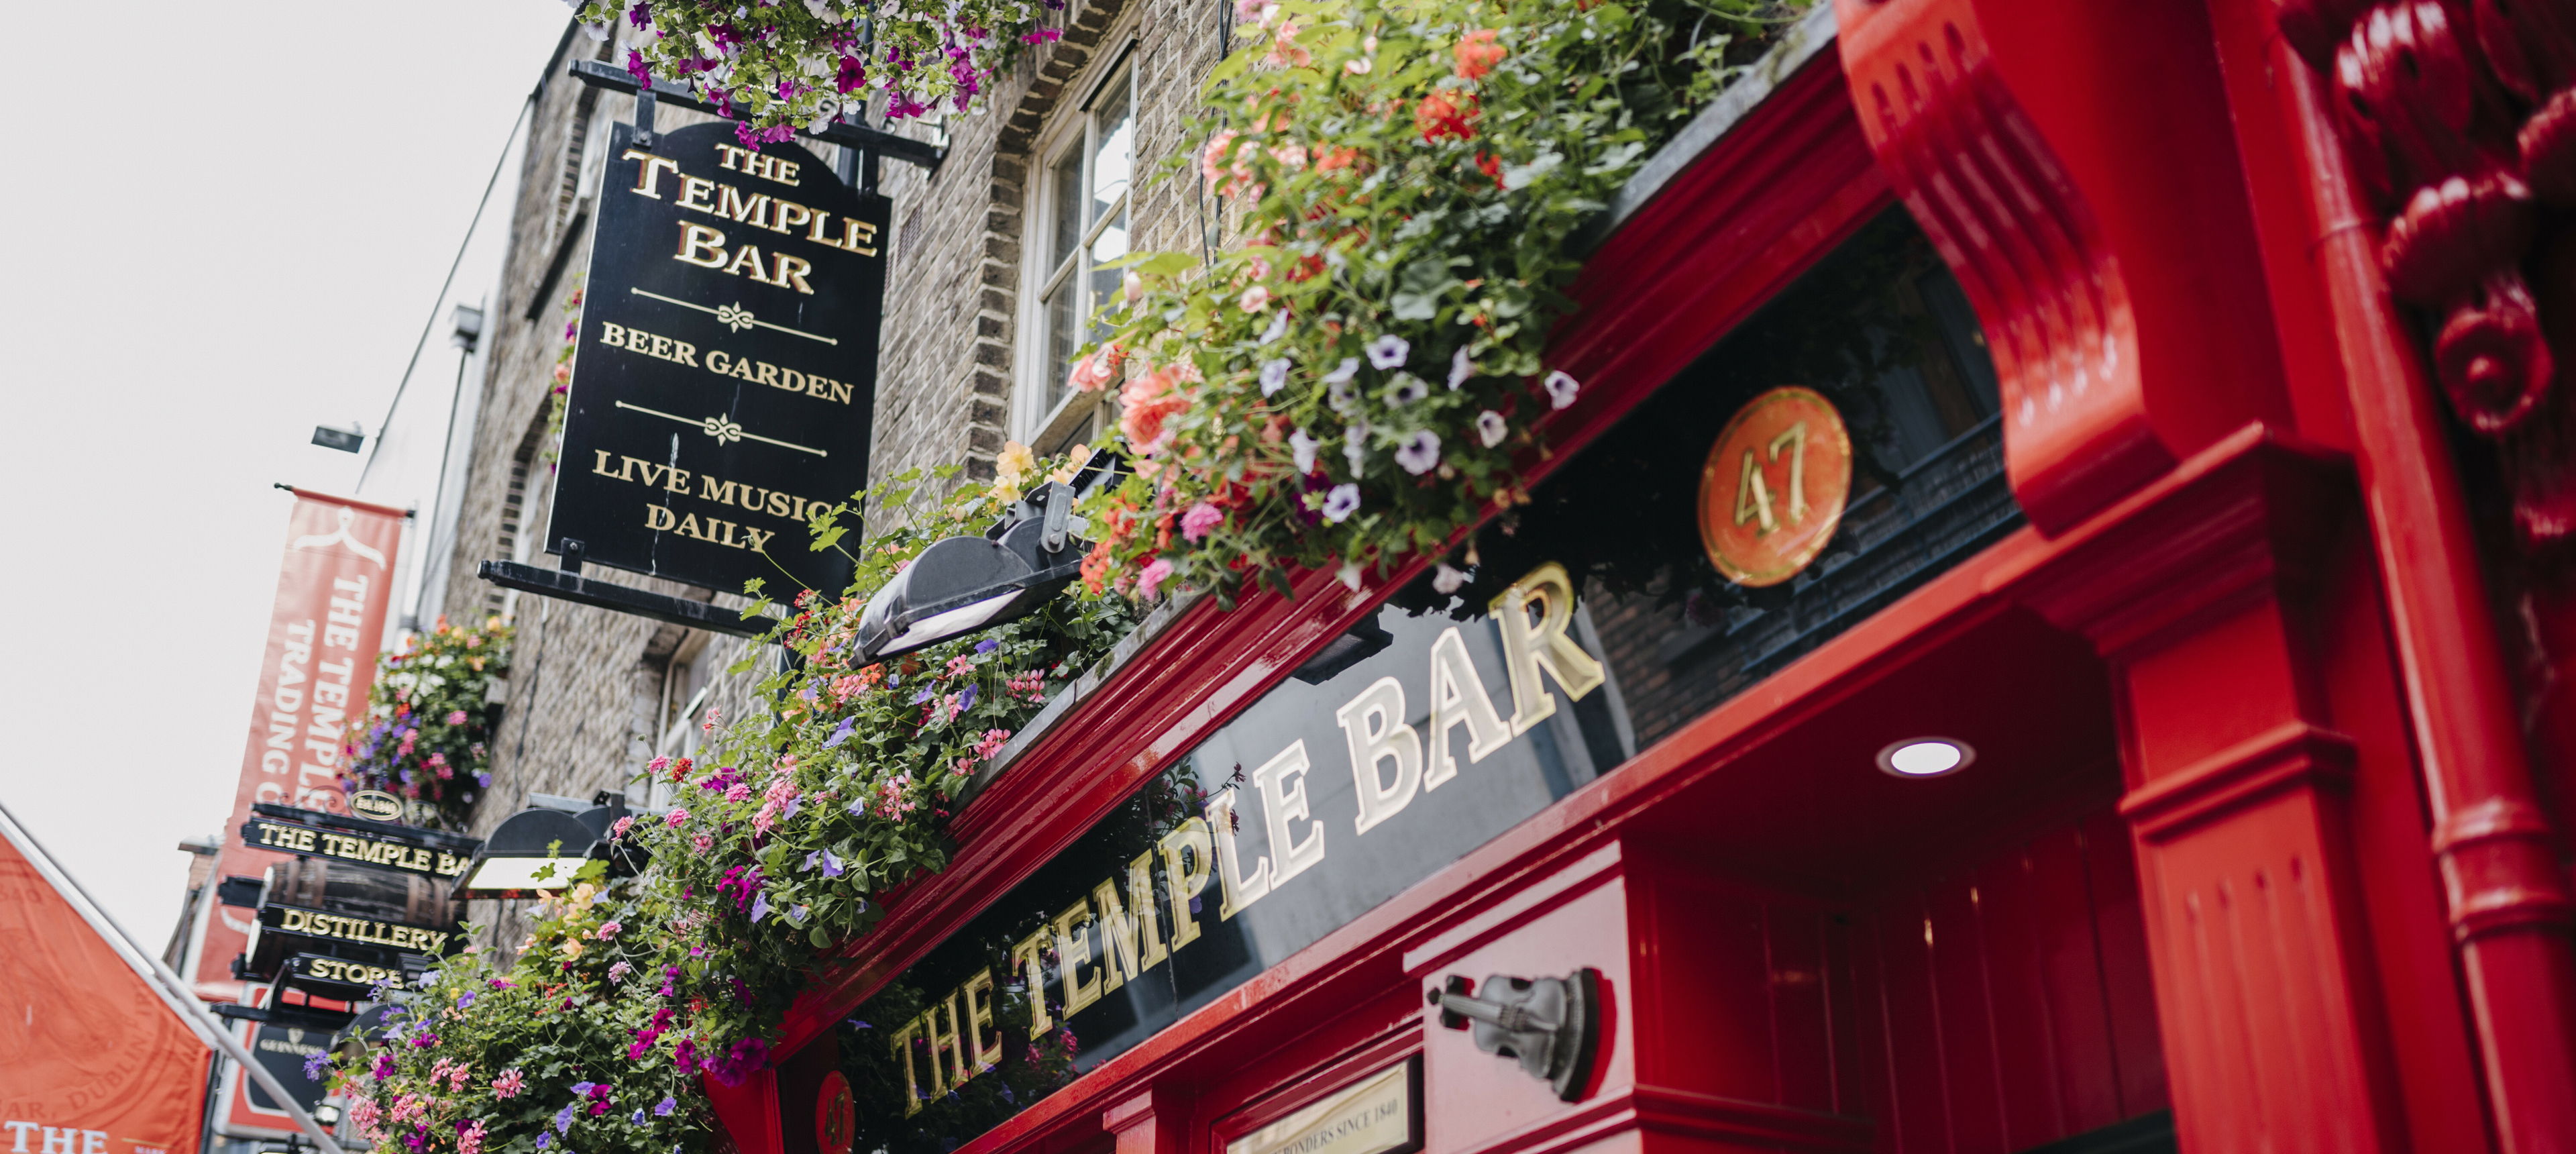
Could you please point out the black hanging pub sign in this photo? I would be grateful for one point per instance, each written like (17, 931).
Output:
(724, 385)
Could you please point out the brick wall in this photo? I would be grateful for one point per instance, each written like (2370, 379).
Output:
(591, 697)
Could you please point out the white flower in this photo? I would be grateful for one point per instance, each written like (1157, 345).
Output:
(1338, 394)
(1490, 428)
(1560, 388)
(1343, 501)
(1274, 376)
(1278, 326)
(1350, 571)
(1355, 445)
(1446, 580)
(1359, 67)
(1419, 453)
(1349, 368)
(1408, 389)
(1460, 368)
(1303, 448)
(1389, 351)
(598, 32)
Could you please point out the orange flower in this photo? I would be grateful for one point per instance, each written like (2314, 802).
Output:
(1094, 372)
(1478, 54)
(1440, 115)
(1151, 403)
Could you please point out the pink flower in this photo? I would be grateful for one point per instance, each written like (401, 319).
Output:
(623, 824)
(992, 743)
(715, 717)
(1255, 299)
(608, 931)
(1151, 579)
(507, 1085)
(766, 819)
(738, 791)
(676, 818)
(702, 843)
(458, 718)
(1201, 520)
(470, 1139)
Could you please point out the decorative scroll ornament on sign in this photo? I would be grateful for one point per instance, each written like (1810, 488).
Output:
(1775, 485)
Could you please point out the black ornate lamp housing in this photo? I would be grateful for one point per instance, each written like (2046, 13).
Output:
(961, 585)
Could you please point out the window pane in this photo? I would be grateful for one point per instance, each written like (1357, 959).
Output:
(1111, 244)
(1114, 146)
(1068, 207)
(1063, 336)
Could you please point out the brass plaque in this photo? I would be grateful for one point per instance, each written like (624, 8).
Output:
(1774, 487)
(1382, 1114)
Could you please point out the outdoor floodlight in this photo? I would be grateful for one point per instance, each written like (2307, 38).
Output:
(963, 584)
(536, 851)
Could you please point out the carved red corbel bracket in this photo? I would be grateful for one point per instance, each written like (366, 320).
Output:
(1989, 117)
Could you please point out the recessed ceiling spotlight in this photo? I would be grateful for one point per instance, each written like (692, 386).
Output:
(1926, 757)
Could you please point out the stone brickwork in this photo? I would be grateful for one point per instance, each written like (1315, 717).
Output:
(593, 694)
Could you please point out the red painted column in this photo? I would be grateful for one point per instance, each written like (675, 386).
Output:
(1153, 1121)
(2508, 904)
(2201, 594)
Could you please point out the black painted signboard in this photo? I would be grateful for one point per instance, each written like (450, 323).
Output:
(1320, 802)
(725, 382)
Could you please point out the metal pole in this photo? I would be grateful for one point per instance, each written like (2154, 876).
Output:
(176, 989)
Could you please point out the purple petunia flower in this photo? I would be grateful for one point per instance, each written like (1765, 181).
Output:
(987, 645)
(663, 1108)
(1419, 453)
(1389, 351)
(1343, 501)
(966, 699)
(1560, 389)
(759, 906)
(849, 725)
(563, 1117)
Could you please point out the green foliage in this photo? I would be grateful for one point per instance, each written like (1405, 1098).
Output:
(425, 735)
(791, 826)
(540, 1054)
(776, 67)
(1357, 377)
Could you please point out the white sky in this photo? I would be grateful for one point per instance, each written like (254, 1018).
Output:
(225, 223)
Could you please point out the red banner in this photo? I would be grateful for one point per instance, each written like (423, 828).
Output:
(323, 636)
(97, 1061)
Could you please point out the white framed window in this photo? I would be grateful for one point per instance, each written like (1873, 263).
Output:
(1079, 210)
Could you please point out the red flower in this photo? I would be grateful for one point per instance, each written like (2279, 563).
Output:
(1491, 166)
(1441, 115)
(1478, 54)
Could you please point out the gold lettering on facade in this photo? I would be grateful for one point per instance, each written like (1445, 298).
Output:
(1532, 648)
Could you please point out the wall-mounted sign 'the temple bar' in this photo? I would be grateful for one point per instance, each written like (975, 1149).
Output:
(725, 382)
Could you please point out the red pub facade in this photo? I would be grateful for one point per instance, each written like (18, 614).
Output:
(2209, 517)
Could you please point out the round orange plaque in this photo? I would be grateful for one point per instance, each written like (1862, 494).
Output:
(1774, 486)
(836, 1117)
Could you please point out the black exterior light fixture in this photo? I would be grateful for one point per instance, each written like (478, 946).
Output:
(961, 585)
(536, 851)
